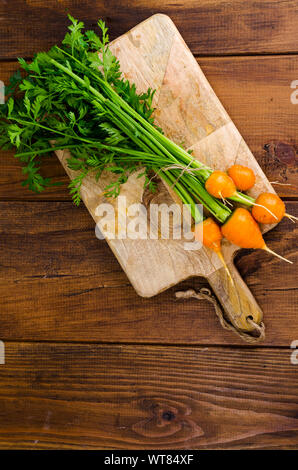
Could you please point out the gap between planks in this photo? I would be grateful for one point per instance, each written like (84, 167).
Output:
(259, 55)
(198, 346)
(67, 199)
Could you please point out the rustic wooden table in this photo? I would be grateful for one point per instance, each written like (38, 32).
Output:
(89, 364)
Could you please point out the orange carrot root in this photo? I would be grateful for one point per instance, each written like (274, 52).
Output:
(212, 237)
(220, 185)
(266, 208)
(243, 177)
(273, 204)
(260, 205)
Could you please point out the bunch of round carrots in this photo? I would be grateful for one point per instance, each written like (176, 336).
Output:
(242, 227)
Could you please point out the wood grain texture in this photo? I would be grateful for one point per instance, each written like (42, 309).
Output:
(59, 282)
(57, 396)
(153, 54)
(210, 27)
(256, 93)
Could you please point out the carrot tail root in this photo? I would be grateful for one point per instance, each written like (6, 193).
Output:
(276, 254)
(291, 217)
(225, 201)
(220, 255)
(282, 184)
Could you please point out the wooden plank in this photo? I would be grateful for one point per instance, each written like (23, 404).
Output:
(256, 93)
(58, 396)
(210, 27)
(58, 282)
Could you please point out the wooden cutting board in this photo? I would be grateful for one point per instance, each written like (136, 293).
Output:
(153, 54)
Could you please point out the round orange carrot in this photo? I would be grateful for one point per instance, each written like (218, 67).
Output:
(243, 177)
(242, 230)
(273, 203)
(210, 234)
(220, 185)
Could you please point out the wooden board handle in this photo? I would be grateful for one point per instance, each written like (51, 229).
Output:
(236, 299)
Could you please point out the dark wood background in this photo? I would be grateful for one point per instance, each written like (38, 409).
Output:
(89, 364)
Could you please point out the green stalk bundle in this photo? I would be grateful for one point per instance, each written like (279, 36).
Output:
(75, 95)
